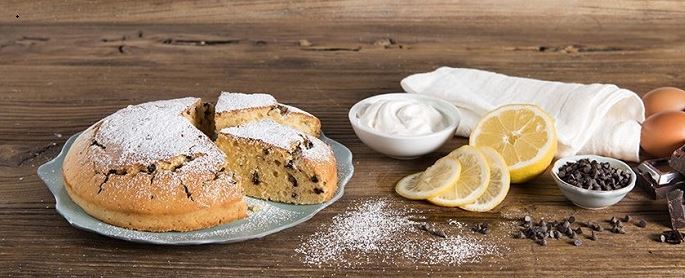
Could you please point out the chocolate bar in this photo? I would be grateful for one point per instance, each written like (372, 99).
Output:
(677, 161)
(657, 178)
(676, 208)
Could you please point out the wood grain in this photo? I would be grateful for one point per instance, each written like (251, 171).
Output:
(64, 65)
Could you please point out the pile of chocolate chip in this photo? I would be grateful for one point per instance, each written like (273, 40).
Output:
(593, 175)
(541, 231)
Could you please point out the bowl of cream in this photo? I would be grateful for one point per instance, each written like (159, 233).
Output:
(404, 126)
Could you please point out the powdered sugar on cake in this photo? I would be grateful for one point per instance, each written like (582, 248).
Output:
(155, 131)
(235, 101)
(281, 136)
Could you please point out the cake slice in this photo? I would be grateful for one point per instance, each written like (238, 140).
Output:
(233, 109)
(279, 163)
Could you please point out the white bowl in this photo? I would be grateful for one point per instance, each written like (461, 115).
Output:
(405, 147)
(593, 199)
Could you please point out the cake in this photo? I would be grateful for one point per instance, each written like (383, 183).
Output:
(279, 163)
(233, 109)
(150, 167)
(154, 167)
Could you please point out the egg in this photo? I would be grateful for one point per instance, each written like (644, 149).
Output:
(662, 133)
(664, 99)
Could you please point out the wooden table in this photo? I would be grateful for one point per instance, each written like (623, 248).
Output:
(64, 65)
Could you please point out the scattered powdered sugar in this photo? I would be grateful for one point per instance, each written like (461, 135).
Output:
(373, 232)
(154, 131)
(456, 224)
(282, 136)
(234, 101)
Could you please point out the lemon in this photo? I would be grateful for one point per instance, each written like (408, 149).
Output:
(523, 134)
(435, 180)
(498, 186)
(473, 180)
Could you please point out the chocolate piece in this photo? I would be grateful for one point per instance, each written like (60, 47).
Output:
(677, 161)
(676, 209)
(657, 178)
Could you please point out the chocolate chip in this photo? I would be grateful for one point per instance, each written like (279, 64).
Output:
(318, 190)
(613, 220)
(527, 218)
(577, 242)
(626, 218)
(315, 179)
(294, 195)
(292, 180)
(289, 164)
(642, 223)
(566, 224)
(578, 231)
(571, 219)
(151, 168)
(432, 230)
(483, 228)
(255, 178)
(265, 151)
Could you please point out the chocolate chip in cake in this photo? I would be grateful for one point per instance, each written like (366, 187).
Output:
(151, 168)
(318, 190)
(289, 164)
(265, 151)
(282, 109)
(315, 179)
(292, 180)
(97, 144)
(294, 195)
(255, 178)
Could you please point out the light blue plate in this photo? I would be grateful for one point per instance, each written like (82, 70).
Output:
(264, 219)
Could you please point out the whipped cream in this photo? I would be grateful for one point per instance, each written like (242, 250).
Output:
(405, 117)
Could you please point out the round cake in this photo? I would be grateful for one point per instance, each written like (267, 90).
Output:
(150, 167)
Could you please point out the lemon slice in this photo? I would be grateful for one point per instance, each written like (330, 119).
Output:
(523, 134)
(498, 186)
(473, 180)
(431, 182)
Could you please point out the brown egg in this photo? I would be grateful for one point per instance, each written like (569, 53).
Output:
(664, 99)
(663, 132)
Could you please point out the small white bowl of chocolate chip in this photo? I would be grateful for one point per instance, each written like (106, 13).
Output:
(593, 182)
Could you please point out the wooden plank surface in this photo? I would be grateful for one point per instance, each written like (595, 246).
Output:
(64, 65)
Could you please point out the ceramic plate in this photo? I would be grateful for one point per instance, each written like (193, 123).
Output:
(266, 217)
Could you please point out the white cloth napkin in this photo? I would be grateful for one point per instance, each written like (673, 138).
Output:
(600, 119)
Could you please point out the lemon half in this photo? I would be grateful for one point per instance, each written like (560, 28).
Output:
(523, 134)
